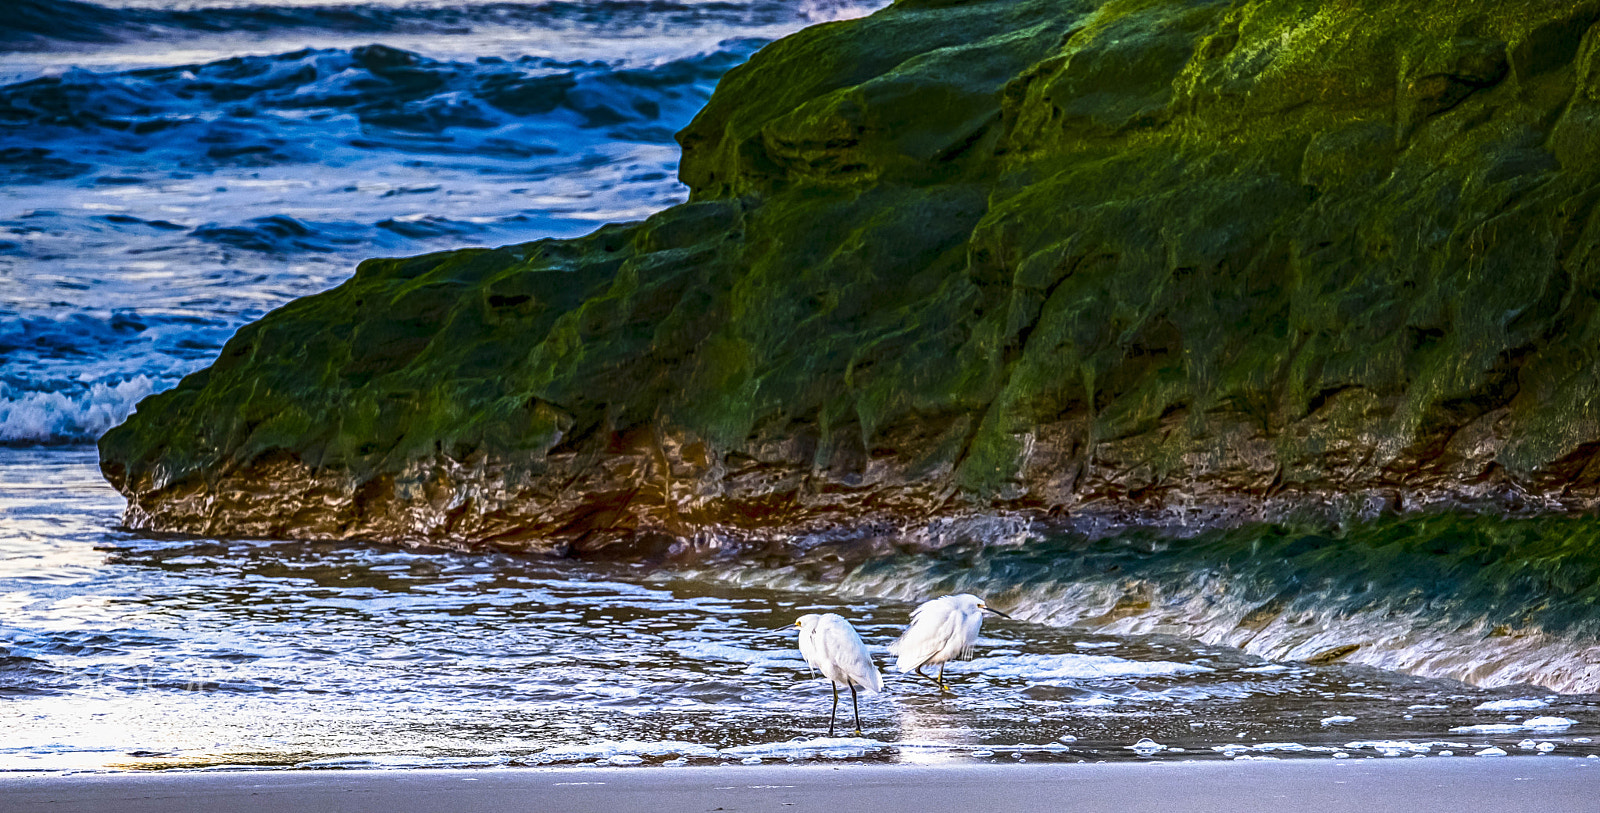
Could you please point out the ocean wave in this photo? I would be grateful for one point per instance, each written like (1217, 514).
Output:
(69, 417)
(333, 106)
(35, 22)
(275, 234)
(68, 378)
(71, 353)
(41, 24)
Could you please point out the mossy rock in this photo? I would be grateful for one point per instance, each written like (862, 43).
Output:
(1138, 259)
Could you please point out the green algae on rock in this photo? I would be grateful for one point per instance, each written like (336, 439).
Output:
(1189, 263)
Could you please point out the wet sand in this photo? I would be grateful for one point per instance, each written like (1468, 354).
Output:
(1507, 785)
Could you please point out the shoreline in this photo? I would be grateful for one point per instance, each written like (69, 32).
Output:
(1508, 785)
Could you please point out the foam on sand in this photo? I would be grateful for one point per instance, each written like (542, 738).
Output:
(1530, 724)
(808, 748)
(1519, 704)
(1232, 749)
(623, 752)
(1394, 748)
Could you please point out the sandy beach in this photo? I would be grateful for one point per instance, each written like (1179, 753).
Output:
(1373, 786)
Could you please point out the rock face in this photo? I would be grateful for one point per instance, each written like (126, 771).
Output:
(1156, 260)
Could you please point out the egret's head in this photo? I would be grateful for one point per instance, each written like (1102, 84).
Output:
(984, 606)
(806, 621)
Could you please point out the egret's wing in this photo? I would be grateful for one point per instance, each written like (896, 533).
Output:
(926, 636)
(913, 648)
(970, 624)
(900, 644)
(809, 649)
(844, 650)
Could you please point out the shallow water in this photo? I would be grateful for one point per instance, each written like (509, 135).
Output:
(122, 651)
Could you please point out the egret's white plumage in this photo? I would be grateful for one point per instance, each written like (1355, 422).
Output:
(942, 630)
(831, 646)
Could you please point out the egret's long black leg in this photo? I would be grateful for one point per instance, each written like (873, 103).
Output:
(942, 685)
(835, 711)
(926, 676)
(857, 707)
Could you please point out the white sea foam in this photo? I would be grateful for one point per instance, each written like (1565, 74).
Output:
(1520, 704)
(1530, 724)
(1146, 747)
(1492, 752)
(1533, 723)
(1338, 719)
(802, 748)
(1397, 747)
(1490, 728)
(1268, 747)
(611, 750)
(390, 762)
(64, 416)
(1027, 747)
(1071, 667)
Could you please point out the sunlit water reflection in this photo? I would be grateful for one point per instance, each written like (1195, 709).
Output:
(125, 651)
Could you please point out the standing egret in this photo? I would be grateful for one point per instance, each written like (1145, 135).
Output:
(832, 647)
(941, 630)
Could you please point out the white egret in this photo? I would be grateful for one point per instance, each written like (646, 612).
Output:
(941, 630)
(831, 646)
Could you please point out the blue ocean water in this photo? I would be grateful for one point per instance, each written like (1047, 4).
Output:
(172, 169)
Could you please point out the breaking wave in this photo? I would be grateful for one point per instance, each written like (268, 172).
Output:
(68, 416)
